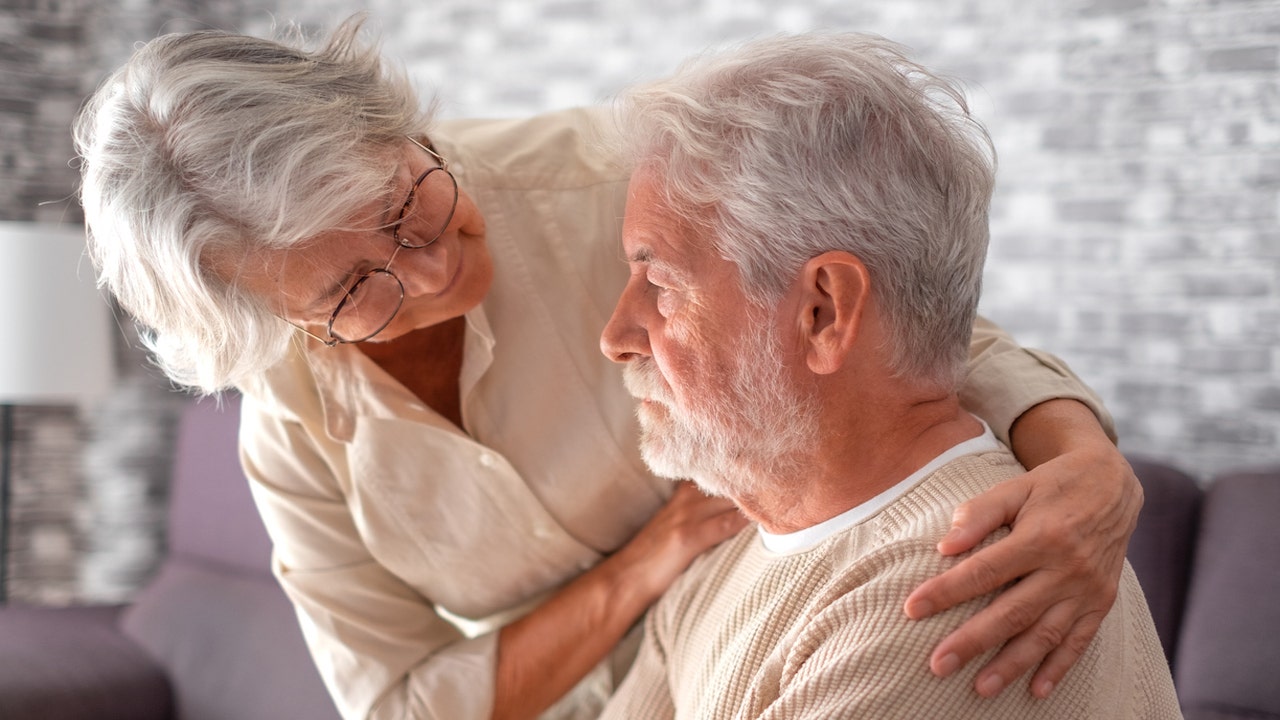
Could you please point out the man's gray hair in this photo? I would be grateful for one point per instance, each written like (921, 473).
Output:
(787, 147)
(206, 147)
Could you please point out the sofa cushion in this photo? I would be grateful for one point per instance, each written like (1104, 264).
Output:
(230, 643)
(211, 512)
(1228, 653)
(75, 664)
(1163, 545)
(214, 616)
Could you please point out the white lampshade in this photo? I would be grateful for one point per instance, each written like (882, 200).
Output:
(55, 326)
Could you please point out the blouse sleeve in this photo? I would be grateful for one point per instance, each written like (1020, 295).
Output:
(380, 646)
(1005, 380)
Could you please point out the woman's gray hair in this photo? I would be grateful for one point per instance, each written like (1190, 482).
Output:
(208, 147)
(787, 147)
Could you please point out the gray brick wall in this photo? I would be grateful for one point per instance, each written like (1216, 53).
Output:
(1134, 232)
(1134, 229)
(89, 483)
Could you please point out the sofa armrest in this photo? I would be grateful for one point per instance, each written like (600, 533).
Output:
(1163, 545)
(229, 642)
(74, 664)
(1229, 652)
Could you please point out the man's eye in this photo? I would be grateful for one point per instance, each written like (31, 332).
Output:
(666, 299)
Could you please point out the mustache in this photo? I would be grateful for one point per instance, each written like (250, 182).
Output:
(644, 382)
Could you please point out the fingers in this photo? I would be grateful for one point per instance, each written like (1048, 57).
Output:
(983, 572)
(688, 525)
(689, 505)
(724, 526)
(1025, 651)
(714, 515)
(687, 493)
(1053, 645)
(1071, 518)
(1055, 667)
(979, 517)
(1012, 613)
(1052, 639)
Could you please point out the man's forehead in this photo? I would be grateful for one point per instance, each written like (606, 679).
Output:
(652, 234)
(662, 248)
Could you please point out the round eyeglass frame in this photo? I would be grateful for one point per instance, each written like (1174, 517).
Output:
(402, 242)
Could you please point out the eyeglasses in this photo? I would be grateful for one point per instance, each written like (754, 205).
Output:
(373, 301)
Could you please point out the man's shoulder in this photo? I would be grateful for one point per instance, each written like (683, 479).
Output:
(898, 545)
(926, 509)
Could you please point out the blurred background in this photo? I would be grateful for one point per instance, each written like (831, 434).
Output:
(1134, 231)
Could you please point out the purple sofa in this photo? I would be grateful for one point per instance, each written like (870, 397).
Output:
(1209, 564)
(211, 636)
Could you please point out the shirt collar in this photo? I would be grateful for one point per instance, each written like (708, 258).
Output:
(351, 386)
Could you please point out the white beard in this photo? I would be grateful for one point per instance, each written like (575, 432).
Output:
(746, 430)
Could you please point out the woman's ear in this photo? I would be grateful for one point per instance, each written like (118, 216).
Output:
(834, 292)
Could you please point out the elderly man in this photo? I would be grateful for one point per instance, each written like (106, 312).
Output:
(806, 229)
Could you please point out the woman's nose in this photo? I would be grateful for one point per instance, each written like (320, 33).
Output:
(422, 271)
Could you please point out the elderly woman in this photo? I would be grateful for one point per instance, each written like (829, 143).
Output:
(446, 463)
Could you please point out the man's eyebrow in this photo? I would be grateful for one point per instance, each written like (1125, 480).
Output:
(642, 255)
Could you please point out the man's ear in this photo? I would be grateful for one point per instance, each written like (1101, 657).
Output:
(834, 292)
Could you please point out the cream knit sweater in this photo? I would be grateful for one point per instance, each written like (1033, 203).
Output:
(747, 633)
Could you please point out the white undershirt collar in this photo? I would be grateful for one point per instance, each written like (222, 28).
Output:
(808, 538)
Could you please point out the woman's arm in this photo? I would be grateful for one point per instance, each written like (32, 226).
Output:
(545, 653)
(1071, 517)
(384, 651)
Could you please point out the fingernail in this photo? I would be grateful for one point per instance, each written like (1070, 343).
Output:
(1044, 688)
(952, 536)
(990, 686)
(919, 609)
(947, 665)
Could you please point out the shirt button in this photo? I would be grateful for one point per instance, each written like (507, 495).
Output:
(488, 460)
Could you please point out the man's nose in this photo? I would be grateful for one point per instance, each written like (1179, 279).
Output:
(624, 338)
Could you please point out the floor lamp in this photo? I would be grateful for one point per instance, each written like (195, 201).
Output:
(57, 337)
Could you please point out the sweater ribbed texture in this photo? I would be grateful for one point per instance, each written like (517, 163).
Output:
(821, 634)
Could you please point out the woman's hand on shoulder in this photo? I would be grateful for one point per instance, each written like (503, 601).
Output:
(689, 524)
(1071, 517)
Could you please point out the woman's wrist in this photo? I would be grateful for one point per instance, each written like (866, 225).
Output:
(544, 654)
(629, 581)
(1054, 428)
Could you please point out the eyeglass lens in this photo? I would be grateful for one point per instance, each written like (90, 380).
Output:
(428, 209)
(375, 299)
(368, 307)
